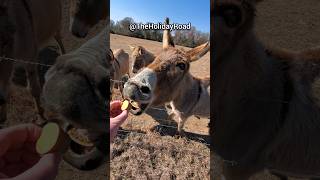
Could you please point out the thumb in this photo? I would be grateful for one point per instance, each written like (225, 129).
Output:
(45, 169)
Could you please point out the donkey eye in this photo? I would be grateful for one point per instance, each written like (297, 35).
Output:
(232, 16)
(182, 66)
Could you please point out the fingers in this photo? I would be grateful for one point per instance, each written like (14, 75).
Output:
(45, 169)
(118, 120)
(3, 176)
(115, 103)
(14, 138)
(115, 108)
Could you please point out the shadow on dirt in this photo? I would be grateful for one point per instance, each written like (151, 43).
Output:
(166, 127)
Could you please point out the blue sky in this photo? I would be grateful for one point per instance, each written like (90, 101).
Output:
(179, 11)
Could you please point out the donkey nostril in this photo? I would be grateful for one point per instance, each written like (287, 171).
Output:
(145, 89)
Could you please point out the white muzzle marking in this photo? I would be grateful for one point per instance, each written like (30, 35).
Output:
(147, 77)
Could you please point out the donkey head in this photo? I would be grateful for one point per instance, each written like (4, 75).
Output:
(75, 94)
(233, 19)
(140, 58)
(85, 14)
(159, 82)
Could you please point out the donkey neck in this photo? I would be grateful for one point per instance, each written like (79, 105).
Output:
(187, 94)
(95, 48)
(247, 102)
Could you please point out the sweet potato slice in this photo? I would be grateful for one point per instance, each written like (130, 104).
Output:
(125, 105)
(52, 139)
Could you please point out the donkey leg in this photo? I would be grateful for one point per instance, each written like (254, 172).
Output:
(181, 119)
(181, 122)
(237, 172)
(33, 75)
(5, 74)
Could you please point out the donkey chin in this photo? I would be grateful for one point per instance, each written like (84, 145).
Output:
(139, 110)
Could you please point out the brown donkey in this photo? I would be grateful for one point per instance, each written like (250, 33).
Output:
(140, 58)
(120, 65)
(84, 14)
(265, 103)
(76, 94)
(168, 79)
(30, 29)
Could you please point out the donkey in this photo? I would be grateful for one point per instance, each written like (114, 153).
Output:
(85, 14)
(265, 105)
(29, 30)
(46, 56)
(120, 66)
(140, 58)
(168, 79)
(76, 93)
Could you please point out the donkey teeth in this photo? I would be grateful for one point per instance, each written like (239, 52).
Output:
(79, 138)
(127, 105)
(135, 104)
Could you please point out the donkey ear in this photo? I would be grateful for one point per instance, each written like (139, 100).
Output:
(110, 56)
(131, 47)
(142, 50)
(167, 38)
(197, 52)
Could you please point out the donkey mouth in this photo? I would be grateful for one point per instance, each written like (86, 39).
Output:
(86, 150)
(138, 110)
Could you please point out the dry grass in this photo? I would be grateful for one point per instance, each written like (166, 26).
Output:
(152, 156)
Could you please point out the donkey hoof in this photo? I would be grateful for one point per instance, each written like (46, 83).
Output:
(180, 134)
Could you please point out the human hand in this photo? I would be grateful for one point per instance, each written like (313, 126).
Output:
(117, 117)
(19, 159)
